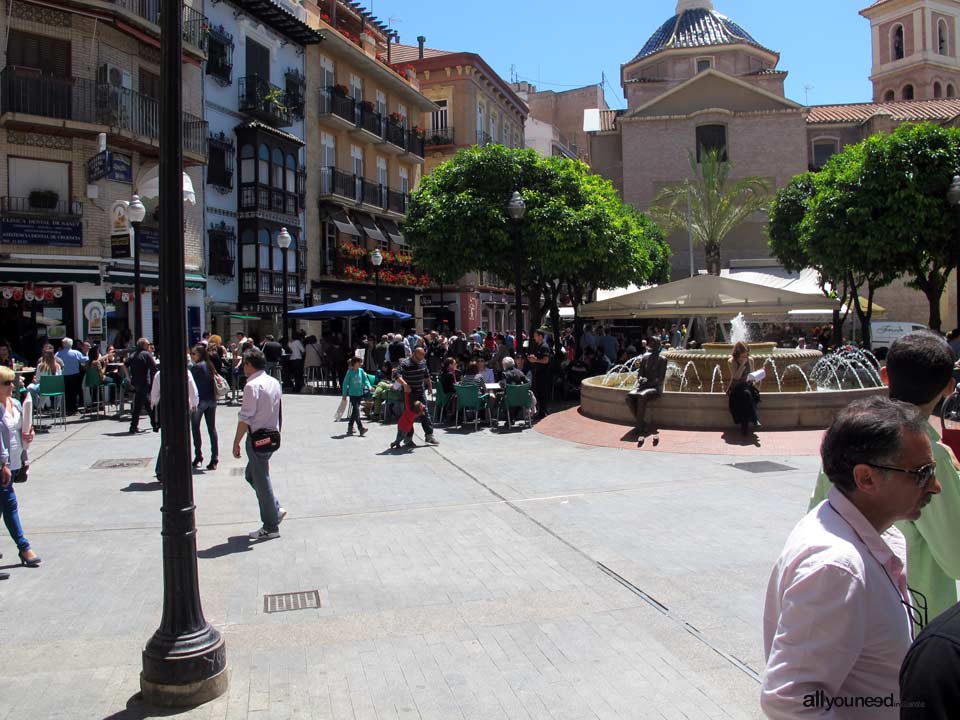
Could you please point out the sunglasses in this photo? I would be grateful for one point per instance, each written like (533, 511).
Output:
(924, 474)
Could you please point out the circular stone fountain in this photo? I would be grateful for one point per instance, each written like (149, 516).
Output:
(698, 368)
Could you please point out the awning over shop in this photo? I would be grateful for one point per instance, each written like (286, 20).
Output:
(391, 229)
(342, 221)
(50, 274)
(195, 280)
(370, 228)
(151, 279)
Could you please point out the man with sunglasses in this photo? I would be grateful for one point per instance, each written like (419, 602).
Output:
(919, 371)
(838, 615)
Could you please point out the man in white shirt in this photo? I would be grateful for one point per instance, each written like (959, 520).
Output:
(838, 617)
(295, 362)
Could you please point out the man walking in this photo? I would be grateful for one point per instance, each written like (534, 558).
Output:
(73, 362)
(539, 359)
(296, 362)
(837, 617)
(919, 371)
(142, 368)
(414, 372)
(260, 410)
(650, 377)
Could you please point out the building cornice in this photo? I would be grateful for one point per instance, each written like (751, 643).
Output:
(464, 61)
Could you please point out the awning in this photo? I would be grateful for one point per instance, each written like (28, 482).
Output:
(369, 227)
(151, 278)
(148, 185)
(48, 274)
(195, 280)
(391, 229)
(342, 221)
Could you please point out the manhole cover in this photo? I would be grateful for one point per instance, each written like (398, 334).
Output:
(761, 466)
(284, 602)
(121, 463)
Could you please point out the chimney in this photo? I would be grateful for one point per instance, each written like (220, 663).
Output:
(389, 44)
(420, 41)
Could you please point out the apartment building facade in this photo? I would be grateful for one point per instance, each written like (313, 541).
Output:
(365, 154)
(255, 99)
(555, 124)
(474, 106)
(79, 134)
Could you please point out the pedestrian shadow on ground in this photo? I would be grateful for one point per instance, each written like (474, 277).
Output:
(125, 433)
(137, 709)
(735, 437)
(143, 487)
(234, 544)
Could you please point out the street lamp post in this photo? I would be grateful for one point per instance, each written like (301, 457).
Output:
(516, 208)
(376, 258)
(283, 240)
(135, 214)
(185, 661)
(953, 196)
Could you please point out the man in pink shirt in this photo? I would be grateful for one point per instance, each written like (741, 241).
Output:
(838, 617)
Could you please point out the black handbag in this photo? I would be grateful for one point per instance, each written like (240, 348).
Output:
(267, 441)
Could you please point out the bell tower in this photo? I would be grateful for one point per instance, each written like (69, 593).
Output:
(914, 49)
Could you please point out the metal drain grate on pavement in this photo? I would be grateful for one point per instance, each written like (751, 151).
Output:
(121, 463)
(284, 602)
(761, 466)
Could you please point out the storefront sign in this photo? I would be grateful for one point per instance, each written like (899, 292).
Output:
(53, 313)
(38, 231)
(94, 316)
(120, 246)
(120, 168)
(98, 166)
(120, 243)
(149, 239)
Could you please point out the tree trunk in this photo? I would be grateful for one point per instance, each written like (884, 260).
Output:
(864, 317)
(932, 285)
(712, 256)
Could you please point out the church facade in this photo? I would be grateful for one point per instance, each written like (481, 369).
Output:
(703, 81)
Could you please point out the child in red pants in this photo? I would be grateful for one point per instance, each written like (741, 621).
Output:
(406, 421)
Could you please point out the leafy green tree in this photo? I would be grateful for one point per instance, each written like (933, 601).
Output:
(576, 230)
(717, 203)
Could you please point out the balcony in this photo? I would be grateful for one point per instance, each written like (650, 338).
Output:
(395, 135)
(264, 101)
(132, 119)
(267, 287)
(439, 137)
(36, 206)
(415, 143)
(337, 182)
(195, 24)
(370, 122)
(263, 198)
(347, 186)
(483, 138)
(397, 202)
(337, 107)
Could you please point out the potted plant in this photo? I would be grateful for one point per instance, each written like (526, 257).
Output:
(43, 199)
(341, 90)
(396, 118)
(366, 106)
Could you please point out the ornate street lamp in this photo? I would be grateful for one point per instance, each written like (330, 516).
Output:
(376, 257)
(953, 197)
(136, 212)
(283, 240)
(185, 661)
(516, 209)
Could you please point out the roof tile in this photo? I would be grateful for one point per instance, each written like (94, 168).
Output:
(914, 110)
(698, 27)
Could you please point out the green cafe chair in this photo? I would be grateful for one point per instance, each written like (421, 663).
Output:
(469, 398)
(517, 398)
(53, 387)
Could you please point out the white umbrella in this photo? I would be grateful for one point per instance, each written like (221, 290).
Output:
(148, 185)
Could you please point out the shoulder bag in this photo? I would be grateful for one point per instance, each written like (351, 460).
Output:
(267, 441)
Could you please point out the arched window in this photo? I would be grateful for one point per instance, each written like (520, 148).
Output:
(897, 53)
(264, 245)
(889, 96)
(712, 137)
(951, 92)
(248, 241)
(291, 174)
(248, 170)
(937, 90)
(908, 92)
(292, 254)
(943, 37)
(278, 168)
(263, 173)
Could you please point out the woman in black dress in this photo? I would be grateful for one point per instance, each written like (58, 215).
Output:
(743, 396)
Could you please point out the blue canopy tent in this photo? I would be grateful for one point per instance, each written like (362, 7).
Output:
(348, 309)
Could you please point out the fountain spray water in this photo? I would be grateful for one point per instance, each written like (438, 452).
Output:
(713, 379)
(739, 330)
(683, 376)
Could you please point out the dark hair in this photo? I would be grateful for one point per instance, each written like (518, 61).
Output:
(447, 362)
(201, 350)
(919, 366)
(473, 368)
(255, 359)
(355, 360)
(866, 431)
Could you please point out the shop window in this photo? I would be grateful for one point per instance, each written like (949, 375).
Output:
(712, 138)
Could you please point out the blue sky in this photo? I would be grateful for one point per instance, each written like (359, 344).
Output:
(558, 43)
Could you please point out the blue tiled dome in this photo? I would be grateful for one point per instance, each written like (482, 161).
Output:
(696, 27)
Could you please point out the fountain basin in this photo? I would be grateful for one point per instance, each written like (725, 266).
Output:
(709, 411)
(716, 355)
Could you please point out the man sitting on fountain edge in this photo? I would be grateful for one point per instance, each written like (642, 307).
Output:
(651, 373)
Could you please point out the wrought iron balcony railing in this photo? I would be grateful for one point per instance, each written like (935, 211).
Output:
(264, 100)
(334, 103)
(438, 137)
(48, 205)
(195, 24)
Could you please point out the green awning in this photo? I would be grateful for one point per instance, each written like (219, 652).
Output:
(50, 273)
(195, 280)
(237, 316)
(152, 280)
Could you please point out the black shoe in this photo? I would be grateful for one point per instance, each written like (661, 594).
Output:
(656, 440)
(213, 465)
(198, 461)
(4, 575)
(133, 431)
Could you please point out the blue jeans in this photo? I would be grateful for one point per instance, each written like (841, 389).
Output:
(11, 518)
(258, 475)
(355, 413)
(207, 410)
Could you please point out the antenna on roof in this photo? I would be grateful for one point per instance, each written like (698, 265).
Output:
(806, 93)
(392, 20)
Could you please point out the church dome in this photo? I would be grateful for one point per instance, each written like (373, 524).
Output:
(695, 24)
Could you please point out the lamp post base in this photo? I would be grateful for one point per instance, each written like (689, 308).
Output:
(185, 671)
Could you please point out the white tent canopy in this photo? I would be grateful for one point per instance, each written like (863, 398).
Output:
(706, 295)
(148, 185)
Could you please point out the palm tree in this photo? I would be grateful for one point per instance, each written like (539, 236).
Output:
(717, 203)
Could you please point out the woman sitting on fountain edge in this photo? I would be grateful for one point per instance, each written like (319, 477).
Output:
(743, 395)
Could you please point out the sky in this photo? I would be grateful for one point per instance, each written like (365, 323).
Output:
(558, 44)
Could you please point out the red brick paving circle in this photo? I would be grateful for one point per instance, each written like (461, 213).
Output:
(573, 426)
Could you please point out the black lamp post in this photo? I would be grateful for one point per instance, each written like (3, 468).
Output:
(953, 196)
(284, 240)
(516, 208)
(135, 214)
(185, 661)
(376, 258)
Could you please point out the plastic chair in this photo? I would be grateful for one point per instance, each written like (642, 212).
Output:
(392, 406)
(440, 401)
(53, 387)
(91, 380)
(517, 397)
(469, 398)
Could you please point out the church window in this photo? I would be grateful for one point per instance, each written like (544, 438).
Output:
(951, 92)
(823, 150)
(908, 92)
(943, 37)
(898, 42)
(703, 64)
(937, 90)
(889, 96)
(712, 137)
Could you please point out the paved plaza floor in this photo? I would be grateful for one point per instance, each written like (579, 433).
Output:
(514, 575)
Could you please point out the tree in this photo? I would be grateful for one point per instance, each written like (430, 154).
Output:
(787, 211)
(575, 230)
(716, 202)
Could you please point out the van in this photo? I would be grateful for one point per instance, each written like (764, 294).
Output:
(882, 334)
